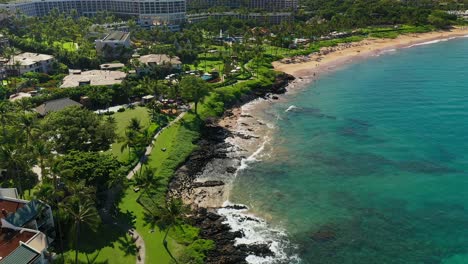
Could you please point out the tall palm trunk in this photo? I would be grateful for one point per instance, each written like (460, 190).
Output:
(59, 223)
(59, 226)
(4, 130)
(18, 181)
(166, 246)
(77, 234)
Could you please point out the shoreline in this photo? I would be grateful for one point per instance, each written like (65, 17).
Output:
(238, 135)
(330, 58)
(203, 181)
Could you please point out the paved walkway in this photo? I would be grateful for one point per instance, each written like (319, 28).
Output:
(140, 244)
(109, 219)
(110, 200)
(149, 148)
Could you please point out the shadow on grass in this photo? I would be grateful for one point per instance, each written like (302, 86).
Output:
(127, 245)
(93, 259)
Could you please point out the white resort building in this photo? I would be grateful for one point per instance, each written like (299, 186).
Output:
(148, 12)
(113, 41)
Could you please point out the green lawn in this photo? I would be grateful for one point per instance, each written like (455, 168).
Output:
(68, 46)
(108, 245)
(123, 119)
(207, 65)
(277, 51)
(153, 237)
(178, 142)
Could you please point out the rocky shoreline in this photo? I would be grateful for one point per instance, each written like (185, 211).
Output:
(205, 197)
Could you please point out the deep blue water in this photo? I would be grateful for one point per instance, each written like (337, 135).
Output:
(372, 165)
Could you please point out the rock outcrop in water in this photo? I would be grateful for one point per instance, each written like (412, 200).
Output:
(225, 252)
(183, 185)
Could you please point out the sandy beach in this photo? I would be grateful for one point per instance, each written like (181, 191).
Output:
(242, 137)
(247, 128)
(331, 57)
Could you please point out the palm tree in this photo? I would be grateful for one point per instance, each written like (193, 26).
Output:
(17, 67)
(13, 160)
(42, 153)
(5, 109)
(154, 110)
(82, 210)
(24, 105)
(194, 89)
(51, 195)
(147, 180)
(83, 213)
(27, 123)
(134, 125)
(169, 216)
(129, 141)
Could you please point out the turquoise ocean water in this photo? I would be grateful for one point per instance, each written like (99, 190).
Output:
(371, 167)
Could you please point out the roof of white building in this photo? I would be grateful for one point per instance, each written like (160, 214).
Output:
(116, 36)
(94, 77)
(29, 58)
(159, 59)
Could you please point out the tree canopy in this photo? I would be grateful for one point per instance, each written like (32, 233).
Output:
(75, 128)
(194, 89)
(94, 168)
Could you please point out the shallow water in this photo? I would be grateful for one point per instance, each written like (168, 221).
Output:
(371, 165)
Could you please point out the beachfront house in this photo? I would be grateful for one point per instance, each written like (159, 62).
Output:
(94, 77)
(29, 62)
(146, 62)
(27, 229)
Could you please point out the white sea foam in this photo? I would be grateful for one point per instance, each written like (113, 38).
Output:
(433, 42)
(254, 156)
(385, 52)
(290, 108)
(257, 231)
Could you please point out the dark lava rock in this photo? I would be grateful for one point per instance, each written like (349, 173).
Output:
(231, 170)
(213, 216)
(262, 250)
(274, 97)
(237, 207)
(212, 227)
(207, 184)
(244, 136)
(210, 147)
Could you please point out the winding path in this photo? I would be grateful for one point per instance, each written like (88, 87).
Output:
(111, 195)
(149, 148)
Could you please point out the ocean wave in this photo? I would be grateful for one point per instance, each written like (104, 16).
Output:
(254, 156)
(290, 108)
(431, 42)
(385, 52)
(258, 231)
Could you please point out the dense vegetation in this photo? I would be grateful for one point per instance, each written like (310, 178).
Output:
(84, 157)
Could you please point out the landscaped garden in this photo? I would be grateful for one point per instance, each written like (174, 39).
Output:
(122, 120)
